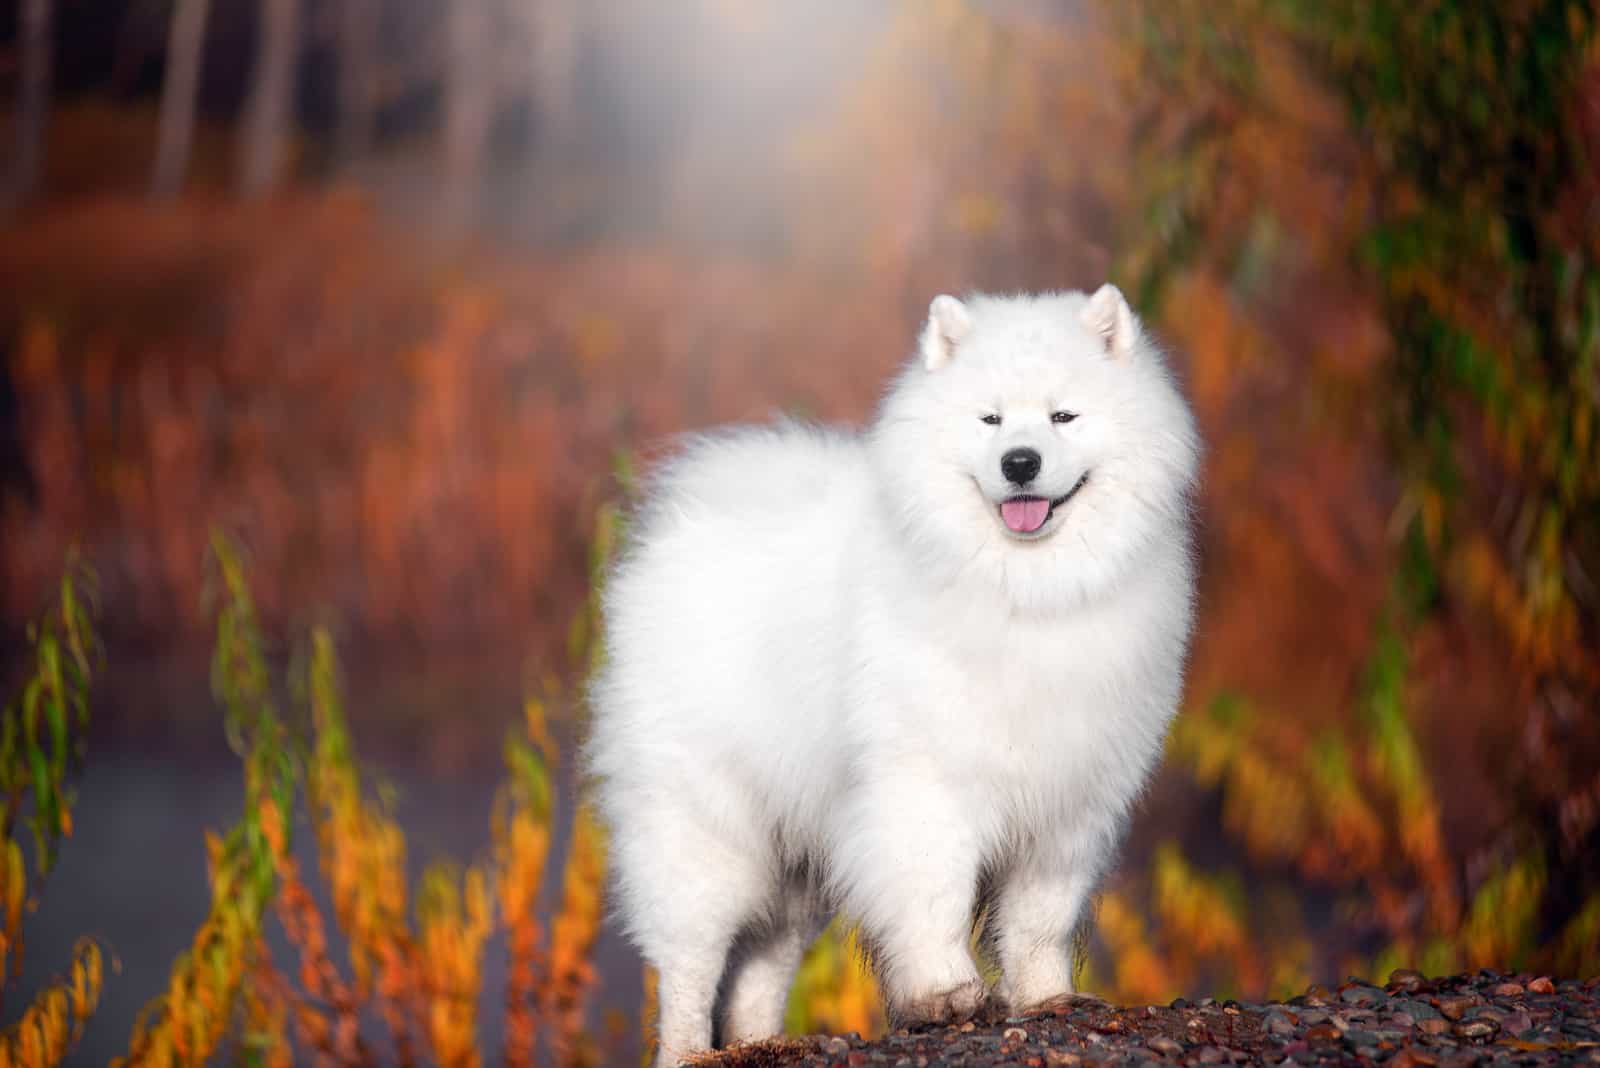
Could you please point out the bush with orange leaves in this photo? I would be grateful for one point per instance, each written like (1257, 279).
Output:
(41, 736)
(226, 993)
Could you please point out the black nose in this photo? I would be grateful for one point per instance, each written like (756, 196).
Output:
(1020, 465)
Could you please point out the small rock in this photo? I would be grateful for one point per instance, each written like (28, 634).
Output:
(1211, 1055)
(1517, 1023)
(1164, 1045)
(1060, 1058)
(1508, 990)
(1180, 1003)
(836, 1047)
(1435, 1026)
(1455, 1006)
(1542, 985)
(1355, 1038)
(856, 1059)
(1417, 1009)
(1323, 1033)
(1477, 1030)
(967, 1027)
(1402, 1019)
(1015, 1034)
(1280, 1023)
(1406, 980)
(1362, 995)
(1318, 994)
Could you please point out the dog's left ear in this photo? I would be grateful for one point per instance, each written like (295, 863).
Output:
(1108, 315)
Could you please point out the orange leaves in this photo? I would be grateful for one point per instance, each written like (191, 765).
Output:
(834, 991)
(454, 913)
(52, 1024)
(41, 734)
(572, 935)
(522, 844)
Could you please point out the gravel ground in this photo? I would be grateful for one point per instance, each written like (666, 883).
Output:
(1487, 1018)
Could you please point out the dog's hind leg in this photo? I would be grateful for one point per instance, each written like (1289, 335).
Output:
(763, 967)
(688, 893)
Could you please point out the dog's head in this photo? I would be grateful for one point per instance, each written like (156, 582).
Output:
(1043, 434)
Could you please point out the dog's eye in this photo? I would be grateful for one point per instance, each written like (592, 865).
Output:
(991, 419)
(1063, 417)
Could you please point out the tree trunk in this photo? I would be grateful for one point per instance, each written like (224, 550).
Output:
(269, 112)
(185, 52)
(33, 98)
(555, 58)
(470, 96)
(359, 23)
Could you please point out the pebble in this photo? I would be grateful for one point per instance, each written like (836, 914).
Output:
(1211, 1055)
(1362, 995)
(1280, 1023)
(1477, 1030)
(1015, 1034)
(1542, 985)
(835, 1047)
(1355, 1038)
(1435, 1026)
(1163, 1044)
(1404, 979)
(1417, 1009)
(1455, 1006)
(1508, 990)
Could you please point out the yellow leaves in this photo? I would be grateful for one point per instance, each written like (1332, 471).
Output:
(13, 893)
(454, 913)
(572, 934)
(521, 830)
(1504, 915)
(54, 1022)
(834, 991)
(1139, 973)
(1201, 917)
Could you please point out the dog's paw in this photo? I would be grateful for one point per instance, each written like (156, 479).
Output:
(950, 1005)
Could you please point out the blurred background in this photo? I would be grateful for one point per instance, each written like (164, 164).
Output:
(398, 297)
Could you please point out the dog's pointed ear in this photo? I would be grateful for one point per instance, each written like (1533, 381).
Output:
(948, 322)
(1108, 315)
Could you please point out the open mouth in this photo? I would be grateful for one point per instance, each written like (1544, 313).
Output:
(1028, 515)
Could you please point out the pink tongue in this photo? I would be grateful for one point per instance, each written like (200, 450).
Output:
(1025, 514)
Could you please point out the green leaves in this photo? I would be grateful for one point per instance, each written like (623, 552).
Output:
(43, 729)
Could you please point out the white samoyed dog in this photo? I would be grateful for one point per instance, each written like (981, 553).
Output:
(903, 675)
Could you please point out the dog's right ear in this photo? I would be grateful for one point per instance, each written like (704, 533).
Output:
(948, 322)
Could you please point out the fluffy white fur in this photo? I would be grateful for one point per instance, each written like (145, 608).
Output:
(836, 680)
